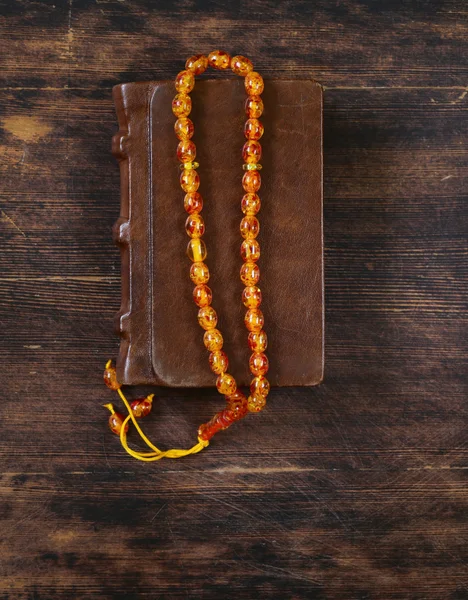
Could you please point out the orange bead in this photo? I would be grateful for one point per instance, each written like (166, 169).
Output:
(257, 341)
(250, 250)
(197, 64)
(237, 405)
(218, 59)
(184, 128)
(182, 105)
(226, 384)
(251, 296)
(253, 129)
(218, 361)
(251, 181)
(252, 151)
(199, 273)
(256, 403)
(196, 250)
(142, 406)
(189, 180)
(110, 378)
(193, 202)
(258, 363)
(213, 340)
(253, 83)
(254, 319)
(207, 430)
(202, 295)
(186, 151)
(260, 386)
(249, 273)
(254, 107)
(195, 226)
(115, 423)
(241, 65)
(249, 227)
(184, 82)
(250, 204)
(207, 317)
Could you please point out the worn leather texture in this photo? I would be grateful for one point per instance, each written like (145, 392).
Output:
(161, 341)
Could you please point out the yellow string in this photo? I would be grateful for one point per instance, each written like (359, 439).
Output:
(157, 454)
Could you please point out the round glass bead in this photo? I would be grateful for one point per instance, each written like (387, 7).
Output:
(249, 227)
(257, 341)
(254, 107)
(115, 423)
(218, 361)
(202, 295)
(182, 105)
(252, 151)
(196, 250)
(253, 83)
(253, 129)
(258, 363)
(110, 378)
(251, 181)
(241, 65)
(218, 59)
(193, 202)
(249, 273)
(237, 404)
(207, 317)
(226, 384)
(195, 226)
(250, 204)
(251, 296)
(213, 340)
(256, 403)
(189, 180)
(141, 407)
(186, 151)
(197, 64)
(199, 273)
(260, 386)
(254, 319)
(250, 250)
(184, 82)
(184, 128)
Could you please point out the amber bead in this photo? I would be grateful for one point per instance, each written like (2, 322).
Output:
(213, 340)
(202, 295)
(241, 65)
(218, 59)
(254, 107)
(258, 363)
(257, 340)
(237, 405)
(184, 82)
(252, 151)
(189, 180)
(251, 181)
(186, 151)
(249, 227)
(249, 273)
(142, 406)
(115, 423)
(196, 250)
(253, 129)
(193, 202)
(199, 273)
(260, 386)
(253, 83)
(226, 384)
(254, 319)
(218, 361)
(182, 105)
(197, 64)
(250, 204)
(207, 317)
(184, 128)
(110, 378)
(195, 226)
(256, 403)
(250, 250)
(251, 296)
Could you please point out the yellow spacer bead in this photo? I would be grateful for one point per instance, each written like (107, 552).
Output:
(181, 105)
(241, 65)
(256, 403)
(254, 107)
(226, 384)
(218, 59)
(197, 64)
(249, 227)
(195, 226)
(252, 167)
(254, 83)
(199, 273)
(189, 165)
(207, 317)
(196, 250)
(213, 340)
(184, 82)
(189, 180)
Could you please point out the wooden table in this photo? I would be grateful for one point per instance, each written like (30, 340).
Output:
(354, 489)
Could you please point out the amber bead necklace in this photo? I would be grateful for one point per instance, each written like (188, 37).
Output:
(237, 404)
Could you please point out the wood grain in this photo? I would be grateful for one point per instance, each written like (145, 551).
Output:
(355, 489)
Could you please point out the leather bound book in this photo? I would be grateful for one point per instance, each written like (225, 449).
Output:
(161, 340)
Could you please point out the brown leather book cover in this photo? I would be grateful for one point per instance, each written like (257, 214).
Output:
(161, 341)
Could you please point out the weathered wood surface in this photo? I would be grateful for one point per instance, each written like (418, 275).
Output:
(354, 489)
